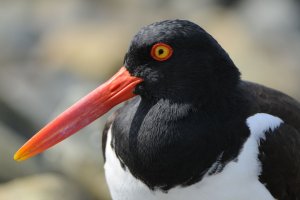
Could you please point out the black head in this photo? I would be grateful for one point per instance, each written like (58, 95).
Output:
(198, 70)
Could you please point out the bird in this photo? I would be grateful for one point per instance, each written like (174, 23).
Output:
(190, 127)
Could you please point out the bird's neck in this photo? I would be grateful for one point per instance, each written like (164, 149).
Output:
(169, 144)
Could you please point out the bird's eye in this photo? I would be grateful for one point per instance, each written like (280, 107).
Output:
(161, 51)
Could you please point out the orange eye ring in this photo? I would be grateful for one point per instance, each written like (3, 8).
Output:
(161, 51)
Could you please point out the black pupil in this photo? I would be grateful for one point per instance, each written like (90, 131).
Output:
(160, 51)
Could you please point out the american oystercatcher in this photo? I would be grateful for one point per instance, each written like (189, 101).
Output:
(194, 131)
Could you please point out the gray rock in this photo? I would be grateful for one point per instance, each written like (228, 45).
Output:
(42, 187)
(34, 92)
(9, 143)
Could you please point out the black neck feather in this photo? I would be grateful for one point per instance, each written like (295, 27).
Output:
(169, 144)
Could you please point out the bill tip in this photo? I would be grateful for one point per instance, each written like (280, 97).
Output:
(18, 157)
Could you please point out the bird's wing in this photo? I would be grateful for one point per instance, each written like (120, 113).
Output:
(267, 100)
(280, 159)
(280, 151)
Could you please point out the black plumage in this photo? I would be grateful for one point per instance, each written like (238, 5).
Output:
(193, 108)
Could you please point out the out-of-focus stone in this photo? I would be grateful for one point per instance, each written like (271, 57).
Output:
(9, 143)
(94, 51)
(42, 187)
(13, 119)
(18, 34)
(272, 19)
(33, 91)
(275, 27)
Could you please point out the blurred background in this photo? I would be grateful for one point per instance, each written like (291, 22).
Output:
(54, 52)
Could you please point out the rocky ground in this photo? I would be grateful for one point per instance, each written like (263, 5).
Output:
(54, 52)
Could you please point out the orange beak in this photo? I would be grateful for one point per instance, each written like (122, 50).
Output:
(116, 90)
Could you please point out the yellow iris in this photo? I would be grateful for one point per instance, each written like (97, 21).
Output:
(161, 51)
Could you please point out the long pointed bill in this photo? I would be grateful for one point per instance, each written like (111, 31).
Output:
(116, 90)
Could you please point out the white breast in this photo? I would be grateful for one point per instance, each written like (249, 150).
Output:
(237, 181)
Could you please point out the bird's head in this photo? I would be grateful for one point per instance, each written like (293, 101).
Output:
(173, 59)
(179, 61)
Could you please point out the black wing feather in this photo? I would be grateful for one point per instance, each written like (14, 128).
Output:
(280, 159)
(280, 152)
(267, 100)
